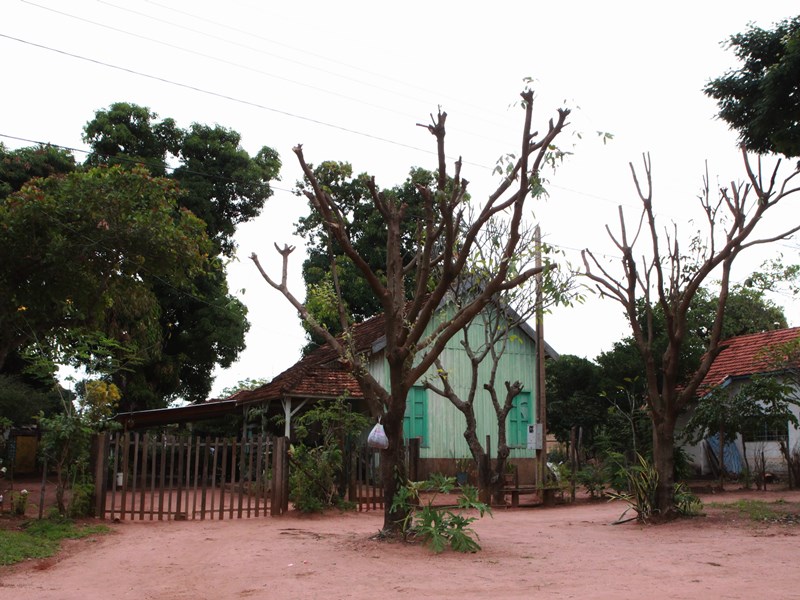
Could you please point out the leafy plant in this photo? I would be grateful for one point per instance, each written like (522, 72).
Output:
(66, 437)
(640, 496)
(19, 502)
(592, 478)
(318, 458)
(686, 503)
(642, 482)
(444, 525)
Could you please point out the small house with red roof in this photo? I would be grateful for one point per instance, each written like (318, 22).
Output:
(321, 375)
(740, 359)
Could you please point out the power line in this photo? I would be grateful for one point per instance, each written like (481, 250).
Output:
(237, 30)
(229, 97)
(212, 57)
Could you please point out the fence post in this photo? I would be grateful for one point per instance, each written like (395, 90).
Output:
(100, 467)
(280, 477)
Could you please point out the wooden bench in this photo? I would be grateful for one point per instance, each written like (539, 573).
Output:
(515, 492)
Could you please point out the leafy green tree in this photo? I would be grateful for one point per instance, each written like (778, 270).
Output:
(224, 186)
(574, 398)
(761, 99)
(21, 401)
(221, 183)
(129, 133)
(17, 167)
(367, 228)
(78, 252)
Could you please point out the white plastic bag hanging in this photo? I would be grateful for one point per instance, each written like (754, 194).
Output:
(377, 437)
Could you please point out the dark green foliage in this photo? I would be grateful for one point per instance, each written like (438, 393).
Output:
(222, 185)
(761, 99)
(21, 400)
(747, 311)
(574, 398)
(17, 167)
(78, 253)
(200, 330)
(369, 240)
(593, 479)
(80, 501)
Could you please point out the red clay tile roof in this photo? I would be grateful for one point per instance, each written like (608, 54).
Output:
(745, 355)
(320, 373)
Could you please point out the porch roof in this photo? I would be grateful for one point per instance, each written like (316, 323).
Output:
(181, 414)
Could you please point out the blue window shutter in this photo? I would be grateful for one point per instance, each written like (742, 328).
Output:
(415, 420)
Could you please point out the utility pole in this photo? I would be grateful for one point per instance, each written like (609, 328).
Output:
(541, 401)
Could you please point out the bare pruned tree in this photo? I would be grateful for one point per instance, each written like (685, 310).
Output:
(445, 241)
(486, 339)
(666, 277)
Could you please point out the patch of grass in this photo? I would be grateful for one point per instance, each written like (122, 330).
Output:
(41, 539)
(756, 510)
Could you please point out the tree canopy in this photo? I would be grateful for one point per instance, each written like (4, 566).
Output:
(761, 99)
(79, 250)
(179, 321)
(366, 227)
(221, 184)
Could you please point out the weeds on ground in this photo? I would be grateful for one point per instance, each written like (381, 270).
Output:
(41, 539)
(761, 511)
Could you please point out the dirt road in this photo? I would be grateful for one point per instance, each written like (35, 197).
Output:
(569, 551)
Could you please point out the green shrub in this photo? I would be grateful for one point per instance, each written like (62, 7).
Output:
(318, 458)
(593, 479)
(80, 502)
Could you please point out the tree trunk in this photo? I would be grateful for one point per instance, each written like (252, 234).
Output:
(748, 475)
(393, 471)
(664, 463)
(499, 473)
(480, 458)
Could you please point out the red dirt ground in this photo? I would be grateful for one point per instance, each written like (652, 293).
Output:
(569, 551)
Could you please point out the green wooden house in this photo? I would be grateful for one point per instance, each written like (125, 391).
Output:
(429, 416)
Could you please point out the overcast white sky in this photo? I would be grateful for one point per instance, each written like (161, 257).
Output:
(349, 80)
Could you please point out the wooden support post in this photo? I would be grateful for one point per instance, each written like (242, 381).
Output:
(100, 464)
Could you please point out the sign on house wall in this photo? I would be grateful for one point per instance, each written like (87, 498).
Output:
(535, 436)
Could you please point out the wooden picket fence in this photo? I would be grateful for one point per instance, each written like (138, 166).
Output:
(365, 488)
(178, 477)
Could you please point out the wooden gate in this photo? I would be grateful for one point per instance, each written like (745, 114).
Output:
(365, 488)
(179, 477)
